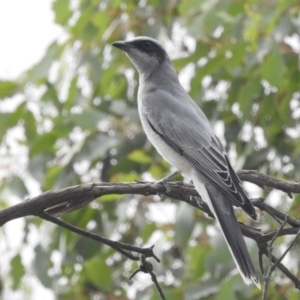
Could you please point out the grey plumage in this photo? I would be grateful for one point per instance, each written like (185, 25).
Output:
(181, 133)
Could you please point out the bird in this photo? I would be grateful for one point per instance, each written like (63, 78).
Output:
(183, 136)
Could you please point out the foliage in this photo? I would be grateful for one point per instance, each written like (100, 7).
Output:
(73, 119)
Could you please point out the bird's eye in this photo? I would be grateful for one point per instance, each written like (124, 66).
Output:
(147, 44)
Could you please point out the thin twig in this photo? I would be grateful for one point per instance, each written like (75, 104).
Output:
(287, 249)
(273, 265)
(54, 203)
(276, 214)
(146, 267)
(264, 180)
(277, 234)
(264, 248)
(260, 259)
(118, 246)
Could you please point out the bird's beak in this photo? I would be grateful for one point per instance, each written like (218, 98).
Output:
(121, 45)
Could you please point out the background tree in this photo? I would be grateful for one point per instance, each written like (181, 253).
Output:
(74, 120)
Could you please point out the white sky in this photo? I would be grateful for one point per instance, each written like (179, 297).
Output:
(26, 29)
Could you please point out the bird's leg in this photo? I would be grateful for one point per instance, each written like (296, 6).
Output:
(164, 181)
(197, 199)
(200, 203)
(168, 177)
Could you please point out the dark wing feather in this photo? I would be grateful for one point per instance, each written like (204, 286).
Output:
(191, 136)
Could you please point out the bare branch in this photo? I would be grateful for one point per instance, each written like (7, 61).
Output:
(266, 249)
(74, 197)
(51, 204)
(146, 267)
(118, 246)
(272, 266)
(276, 214)
(263, 181)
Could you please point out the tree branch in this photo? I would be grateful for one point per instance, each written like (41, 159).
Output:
(263, 181)
(272, 266)
(51, 204)
(125, 249)
(74, 197)
(264, 250)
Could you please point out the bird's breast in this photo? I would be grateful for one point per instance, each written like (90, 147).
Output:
(172, 157)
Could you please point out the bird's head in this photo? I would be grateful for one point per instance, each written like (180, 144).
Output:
(146, 54)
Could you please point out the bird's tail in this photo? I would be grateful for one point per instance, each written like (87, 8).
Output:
(224, 213)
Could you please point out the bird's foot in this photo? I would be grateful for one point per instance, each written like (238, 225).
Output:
(198, 200)
(164, 181)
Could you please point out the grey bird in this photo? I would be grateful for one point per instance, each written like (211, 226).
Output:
(181, 133)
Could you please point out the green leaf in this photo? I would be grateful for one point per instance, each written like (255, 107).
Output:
(184, 225)
(95, 146)
(253, 26)
(189, 7)
(42, 264)
(196, 264)
(97, 272)
(40, 71)
(44, 142)
(219, 258)
(17, 271)
(84, 28)
(226, 17)
(30, 126)
(51, 176)
(62, 11)
(111, 198)
(51, 95)
(239, 52)
(100, 20)
(8, 88)
(273, 69)
(140, 157)
(73, 93)
(148, 231)
(9, 120)
(86, 120)
(200, 291)
(227, 290)
(248, 93)
(125, 177)
(202, 50)
(18, 187)
(170, 292)
(156, 171)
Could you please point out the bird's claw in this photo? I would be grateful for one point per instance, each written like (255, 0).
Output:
(165, 182)
(198, 200)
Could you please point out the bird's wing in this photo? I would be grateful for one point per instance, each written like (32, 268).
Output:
(185, 128)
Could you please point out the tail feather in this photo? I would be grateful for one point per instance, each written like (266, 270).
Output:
(224, 213)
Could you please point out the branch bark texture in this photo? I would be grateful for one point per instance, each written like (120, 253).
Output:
(52, 204)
